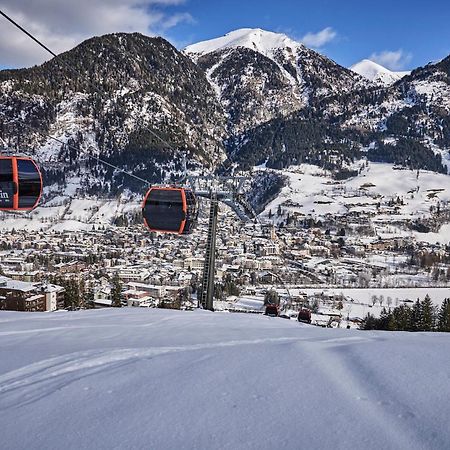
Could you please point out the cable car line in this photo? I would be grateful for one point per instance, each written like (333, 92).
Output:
(26, 32)
(74, 71)
(42, 133)
(162, 205)
(30, 35)
(166, 206)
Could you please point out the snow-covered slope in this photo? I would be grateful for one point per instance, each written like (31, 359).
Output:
(311, 191)
(158, 379)
(377, 73)
(151, 90)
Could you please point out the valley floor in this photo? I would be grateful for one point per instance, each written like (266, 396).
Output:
(149, 378)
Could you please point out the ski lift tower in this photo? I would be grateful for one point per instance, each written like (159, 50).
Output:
(228, 190)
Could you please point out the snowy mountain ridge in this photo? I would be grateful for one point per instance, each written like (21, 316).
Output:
(264, 42)
(253, 94)
(377, 73)
(260, 75)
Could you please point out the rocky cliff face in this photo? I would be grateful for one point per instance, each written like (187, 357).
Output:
(260, 75)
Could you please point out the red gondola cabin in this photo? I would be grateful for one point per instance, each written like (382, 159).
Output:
(20, 183)
(272, 310)
(170, 210)
(304, 315)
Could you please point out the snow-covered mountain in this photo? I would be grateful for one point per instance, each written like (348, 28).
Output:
(286, 104)
(265, 42)
(260, 75)
(109, 95)
(417, 107)
(377, 73)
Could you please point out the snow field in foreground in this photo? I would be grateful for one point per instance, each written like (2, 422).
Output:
(133, 378)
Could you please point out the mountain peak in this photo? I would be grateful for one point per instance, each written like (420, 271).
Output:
(376, 72)
(262, 41)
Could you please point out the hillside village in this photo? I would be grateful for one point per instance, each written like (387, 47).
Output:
(358, 218)
(343, 263)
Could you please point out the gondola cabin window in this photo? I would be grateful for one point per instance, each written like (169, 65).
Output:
(170, 210)
(20, 184)
(6, 184)
(29, 184)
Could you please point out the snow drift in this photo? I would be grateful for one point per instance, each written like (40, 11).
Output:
(136, 378)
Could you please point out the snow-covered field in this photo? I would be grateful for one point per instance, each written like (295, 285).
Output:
(157, 379)
(312, 191)
(65, 213)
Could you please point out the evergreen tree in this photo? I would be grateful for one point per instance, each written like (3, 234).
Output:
(392, 323)
(271, 298)
(421, 317)
(415, 318)
(384, 320)
(116, 291)
(370, 323)
(427, 316)
(444, 316)
(402, 316)
(82, 294)
(71, 293)
(89, 299)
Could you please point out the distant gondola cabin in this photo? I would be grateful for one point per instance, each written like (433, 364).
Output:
(20, 184)
(272, 310)
(170, 210)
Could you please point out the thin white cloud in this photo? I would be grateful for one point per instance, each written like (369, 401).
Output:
(320, 38)
(175, 19)
(393, 60)
(63, 24)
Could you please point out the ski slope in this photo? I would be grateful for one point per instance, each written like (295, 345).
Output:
(158, 379)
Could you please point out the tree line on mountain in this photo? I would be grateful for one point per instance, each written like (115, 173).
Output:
(265, 186)
(407, 152)
(421, 316)
(283, 142)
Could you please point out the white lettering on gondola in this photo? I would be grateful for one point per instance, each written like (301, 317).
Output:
(4, 195)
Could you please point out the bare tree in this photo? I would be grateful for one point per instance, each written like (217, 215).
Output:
(374, 299)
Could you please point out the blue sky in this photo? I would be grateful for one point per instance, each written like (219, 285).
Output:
(398, 34)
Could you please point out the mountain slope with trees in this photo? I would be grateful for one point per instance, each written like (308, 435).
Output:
(256, 96)
(107, 96)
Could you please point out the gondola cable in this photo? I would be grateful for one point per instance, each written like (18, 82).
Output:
(186, 212)
(12, 21)
(166, 204)
(187, 215)
(49, 136)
